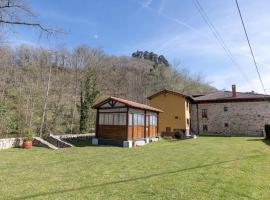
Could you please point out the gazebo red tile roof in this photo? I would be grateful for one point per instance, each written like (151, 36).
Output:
(128, 103)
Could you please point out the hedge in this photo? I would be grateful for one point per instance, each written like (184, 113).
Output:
(267, 130)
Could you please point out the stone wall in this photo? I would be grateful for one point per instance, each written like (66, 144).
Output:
(76, 137)
(56, 141)
(242, 118)
(10, 143)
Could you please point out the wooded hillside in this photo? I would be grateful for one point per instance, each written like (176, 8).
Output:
(41, 86)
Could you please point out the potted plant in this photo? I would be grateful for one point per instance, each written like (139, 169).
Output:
(28, 138)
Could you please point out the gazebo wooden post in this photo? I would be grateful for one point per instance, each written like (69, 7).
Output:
(157, 123)
(127, 122)
(97, 122)
(144, 123)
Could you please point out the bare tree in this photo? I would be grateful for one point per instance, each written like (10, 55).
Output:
(17, 12)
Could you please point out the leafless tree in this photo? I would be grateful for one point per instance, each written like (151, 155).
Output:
(17, 12)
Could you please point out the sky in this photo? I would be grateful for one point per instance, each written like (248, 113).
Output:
(173, 28)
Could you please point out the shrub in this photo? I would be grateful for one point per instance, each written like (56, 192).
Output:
(28, 135)
(179, 135)
(267, 131)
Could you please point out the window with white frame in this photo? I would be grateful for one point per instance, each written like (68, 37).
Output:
(153, 120)
(112, 118)
(138, 119)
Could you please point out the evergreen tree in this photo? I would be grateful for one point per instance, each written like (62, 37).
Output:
(157, 59)
(89, 94)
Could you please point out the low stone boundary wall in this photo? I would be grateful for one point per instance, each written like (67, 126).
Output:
(56, 141)
(251, 134)
(10, 143)
(72, 138)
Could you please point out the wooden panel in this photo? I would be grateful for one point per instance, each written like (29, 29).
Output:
(112, 132)
(152, 130)
(130, 130)
(138, 132)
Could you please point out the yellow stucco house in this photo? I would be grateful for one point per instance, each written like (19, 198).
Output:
(176, 115)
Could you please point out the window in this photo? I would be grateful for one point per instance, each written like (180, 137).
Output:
(187, 121)
(153, 120)
(226, 125)
(225, 109)
(187, 105)
(205, 128)
(176, 117)
(112, 119)
(204, 113)
(115, 119)
(101, 118)
(130, 119)
(138, 120)
(122, 119)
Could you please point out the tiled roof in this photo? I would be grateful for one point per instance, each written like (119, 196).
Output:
(170, 92)
(129, 103)
(227, 95)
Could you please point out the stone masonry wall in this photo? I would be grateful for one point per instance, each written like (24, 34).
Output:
(76, 137)
(243, 118)
(10, 143)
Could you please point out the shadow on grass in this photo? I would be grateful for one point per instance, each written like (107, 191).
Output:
(131, 179)
(265, 141)
(82, 143)
(89, 144)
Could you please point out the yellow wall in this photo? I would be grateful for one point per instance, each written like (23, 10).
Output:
(173, 105)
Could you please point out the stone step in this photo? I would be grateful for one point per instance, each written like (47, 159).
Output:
(139, 143)
(43, 143)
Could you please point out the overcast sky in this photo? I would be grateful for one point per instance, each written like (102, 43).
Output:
(170, 27)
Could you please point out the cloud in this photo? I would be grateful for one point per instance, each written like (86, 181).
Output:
(146, 3)
(96, 36)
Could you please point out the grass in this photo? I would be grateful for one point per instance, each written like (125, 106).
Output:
(203, 168)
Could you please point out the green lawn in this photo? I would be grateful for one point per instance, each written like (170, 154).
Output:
(203, 168)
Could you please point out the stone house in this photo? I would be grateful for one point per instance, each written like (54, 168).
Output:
(218, 113)
(230, 113)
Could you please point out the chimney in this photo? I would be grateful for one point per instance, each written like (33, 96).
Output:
(233, 90)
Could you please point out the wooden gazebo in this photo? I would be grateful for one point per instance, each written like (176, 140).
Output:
(120, 122)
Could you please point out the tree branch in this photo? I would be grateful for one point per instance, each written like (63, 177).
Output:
(37, 25)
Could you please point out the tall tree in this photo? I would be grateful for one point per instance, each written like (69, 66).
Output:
(45, 102)
(89, 93)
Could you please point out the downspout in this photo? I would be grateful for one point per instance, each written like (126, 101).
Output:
(97, 123)
(198, 123)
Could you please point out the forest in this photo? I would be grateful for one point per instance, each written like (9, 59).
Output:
(42, 88)
(53, 90)
(47, 89)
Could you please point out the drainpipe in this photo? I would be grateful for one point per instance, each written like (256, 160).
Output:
(198, 123)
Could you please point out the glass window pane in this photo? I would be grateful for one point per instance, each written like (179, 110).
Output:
(106, 119)
(122, 119)
(101, 119)
(116, 119)
(135, 120)
(130, 119)
(110, 119)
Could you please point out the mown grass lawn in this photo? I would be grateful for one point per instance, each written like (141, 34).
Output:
(203, 168)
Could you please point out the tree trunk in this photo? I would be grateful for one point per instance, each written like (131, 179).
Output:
(45, 103)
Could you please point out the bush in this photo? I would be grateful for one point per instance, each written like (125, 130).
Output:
(267, 131)
(28, 135)
(179, 135)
